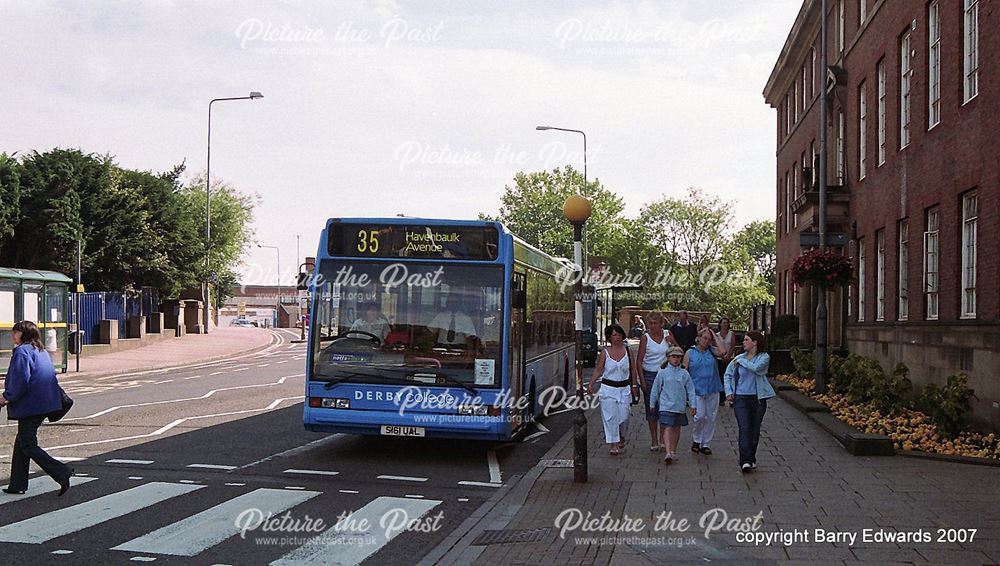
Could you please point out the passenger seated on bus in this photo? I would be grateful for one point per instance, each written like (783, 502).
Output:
(452, 326)
(373, 322)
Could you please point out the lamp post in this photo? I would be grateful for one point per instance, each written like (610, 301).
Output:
(577, 210)
(821, 313)
(277, 307)
(254, 95)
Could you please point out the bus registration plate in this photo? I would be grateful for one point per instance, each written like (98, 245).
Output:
(402, 431)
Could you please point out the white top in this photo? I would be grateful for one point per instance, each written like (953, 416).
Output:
(459, 324)
(724, 344)
(615, 370)
(656, 352)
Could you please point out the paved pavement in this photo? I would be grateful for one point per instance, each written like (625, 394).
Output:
(806, 484)
(221, 343)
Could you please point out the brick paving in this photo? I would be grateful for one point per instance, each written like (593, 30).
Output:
(805, 481)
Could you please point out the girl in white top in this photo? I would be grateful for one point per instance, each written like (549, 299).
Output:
(652, 353)
(619, 383)
(724, 342)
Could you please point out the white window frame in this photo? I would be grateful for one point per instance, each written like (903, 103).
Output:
(862, 13)
(932, 261)
(905, 76)
(812, 165)
(880, 275)
(970, 216)
(841, 32)
(788, 202)
(862, 129)
(861, 280)
(816, 84)
(970, 53)
(881, 112)
(805, 89)
(795, 102)
(903, 267)
(933, 65)
(795, 194)
(841, 133)
(788, 114)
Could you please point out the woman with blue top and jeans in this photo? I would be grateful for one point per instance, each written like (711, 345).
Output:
(748, 389)
(673, 391)
(704, 369)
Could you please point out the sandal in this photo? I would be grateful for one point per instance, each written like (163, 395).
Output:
(706, 450)
(614, 452)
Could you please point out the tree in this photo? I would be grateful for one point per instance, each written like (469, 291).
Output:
(10, 195)
(758, 240)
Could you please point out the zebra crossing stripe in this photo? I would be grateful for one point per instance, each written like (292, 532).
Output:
(55, 524)
(347, 547)
(198, 532)
(39, 486)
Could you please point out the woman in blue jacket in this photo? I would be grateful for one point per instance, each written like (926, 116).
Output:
(31, 393)
(748, 389)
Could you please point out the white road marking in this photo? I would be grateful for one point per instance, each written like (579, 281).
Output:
(463, 499)
(491, 460)
(212, 466)
(135, 477)
(348, 491)
(216, 372)
(414, 496)
(541, 430)
(42, 485)
(274, 404)
(66, 458)
(61, 552)
(241, 369)
(193, 377)
(121, 461)
(480, 484)
(401, 478)
(236, 484)
(315, 472)
(294, 487)
(380, 511)
(294, 451)
(264, 365)
(163, 381)
(48, 526)
(199, 532)
(143, 559)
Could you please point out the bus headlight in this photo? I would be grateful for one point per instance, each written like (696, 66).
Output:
(478, 410)
(336, 403)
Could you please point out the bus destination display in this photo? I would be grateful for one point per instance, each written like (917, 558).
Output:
(393, 240)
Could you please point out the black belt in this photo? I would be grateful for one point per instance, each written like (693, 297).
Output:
(610, 383)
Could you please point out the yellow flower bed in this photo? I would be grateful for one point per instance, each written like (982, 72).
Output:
(910, 430)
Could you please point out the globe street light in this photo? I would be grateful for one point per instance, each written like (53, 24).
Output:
(577, 210)
(254, 95)
(277, 308)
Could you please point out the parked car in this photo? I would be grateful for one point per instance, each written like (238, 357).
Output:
(243, 323)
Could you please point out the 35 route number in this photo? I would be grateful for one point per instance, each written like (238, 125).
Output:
(368, 241)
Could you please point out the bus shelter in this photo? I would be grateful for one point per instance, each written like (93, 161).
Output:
(41, 297)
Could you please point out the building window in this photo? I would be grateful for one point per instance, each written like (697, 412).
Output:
(881, 112)
(971, 53)
(905, 74)
(840, 25)
(814, 167)
(880, 275)
(861, 279)
(970, 213)
(862, 13)
(934, 65)
(805, 89)
(904, 261)
(817, 86)
(788, 202)
(841, 127)
(862, 130)
(931, 264)
(795, 103)
(788, 114)
(795, 193)
(788, 295)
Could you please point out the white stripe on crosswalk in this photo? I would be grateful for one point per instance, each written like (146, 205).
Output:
(54, 524)
(40, 486)
(121, 461)
(380, 515)
(198, 532)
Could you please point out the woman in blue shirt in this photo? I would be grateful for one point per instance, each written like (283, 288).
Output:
(31, 393)
(748, 389)
(704, 370)
(672, 390)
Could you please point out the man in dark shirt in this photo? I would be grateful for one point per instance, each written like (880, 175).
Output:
(684, 332)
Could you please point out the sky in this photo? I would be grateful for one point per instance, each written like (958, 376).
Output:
(379, 107)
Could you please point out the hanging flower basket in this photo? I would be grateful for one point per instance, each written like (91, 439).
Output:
(826, 268)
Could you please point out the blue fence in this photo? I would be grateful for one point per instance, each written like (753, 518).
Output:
(95, 307)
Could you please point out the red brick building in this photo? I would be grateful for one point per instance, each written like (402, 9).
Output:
(913, 161)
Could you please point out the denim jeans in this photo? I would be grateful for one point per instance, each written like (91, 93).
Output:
(749, 414)
(26, 448)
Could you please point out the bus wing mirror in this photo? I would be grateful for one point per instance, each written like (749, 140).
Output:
(303, 282)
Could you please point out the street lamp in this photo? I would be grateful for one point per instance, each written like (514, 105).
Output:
(577, 210)
(821, 314)
(277, 308)
(543, 128)
(254, 95)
